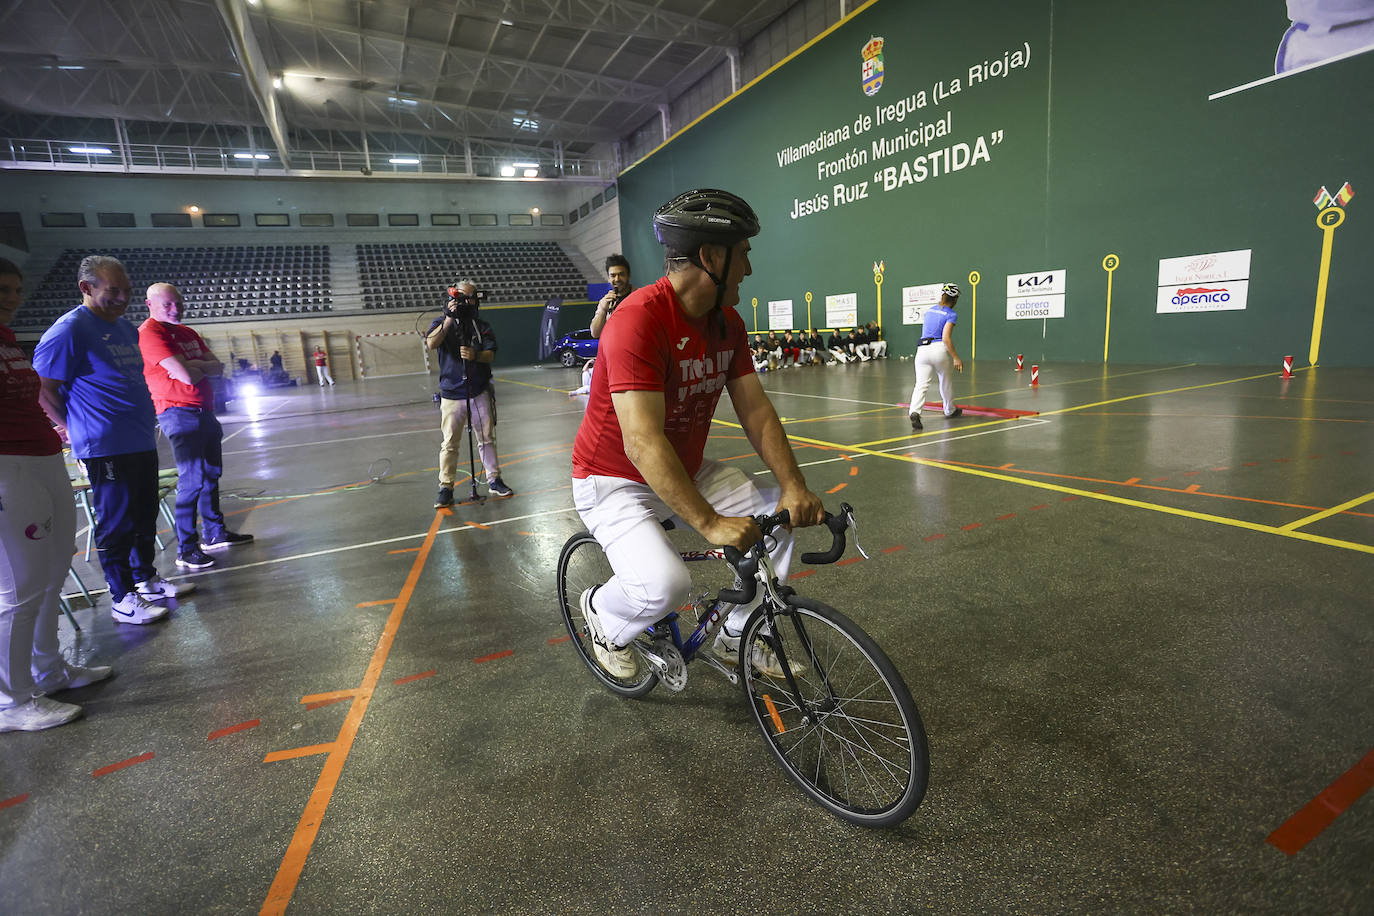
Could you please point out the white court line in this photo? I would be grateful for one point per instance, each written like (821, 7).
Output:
(252, 421)
(823, 397)
(1029, 421)
(272, 448)
(404, 537)
(1296, 70)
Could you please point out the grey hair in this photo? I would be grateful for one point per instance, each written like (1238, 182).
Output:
(92, 265)
(461, 283)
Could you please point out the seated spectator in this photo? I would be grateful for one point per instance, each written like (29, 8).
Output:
(774, 350)
(791, 348)
(817, 347)
(857, 345)
(838, 347)
(759, 353)
(877, 347)
(586, 379)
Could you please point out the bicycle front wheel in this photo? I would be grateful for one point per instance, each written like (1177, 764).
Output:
(849, 732)
(582, 565)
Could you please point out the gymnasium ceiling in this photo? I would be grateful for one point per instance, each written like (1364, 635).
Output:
(569, 74)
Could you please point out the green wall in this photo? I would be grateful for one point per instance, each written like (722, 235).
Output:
(1105, 142)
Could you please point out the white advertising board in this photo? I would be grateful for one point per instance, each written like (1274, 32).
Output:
(779, 314)
(842, 310)
(1035, 307)
(1039, 284)
(916, 299)
(1223, 296)
(1205, 268)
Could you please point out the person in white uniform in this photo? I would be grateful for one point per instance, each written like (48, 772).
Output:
(936, 354)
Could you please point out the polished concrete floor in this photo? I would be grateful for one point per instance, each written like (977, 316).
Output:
(1140, 639)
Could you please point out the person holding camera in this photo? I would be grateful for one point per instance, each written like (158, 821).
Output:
(467, 348)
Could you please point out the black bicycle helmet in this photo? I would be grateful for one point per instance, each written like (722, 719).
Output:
(704, 216)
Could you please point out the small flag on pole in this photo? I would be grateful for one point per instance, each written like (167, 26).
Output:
(1344, 194)
(1323, 198)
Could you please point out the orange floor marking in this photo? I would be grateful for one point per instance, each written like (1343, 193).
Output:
(1317, 815)
(296, 752)
(1130, 480)
(121, 765)
(293, 862)
(375, 603)
(837, 489)
(558, 639)
(231, 729)
(1192, 488)
(853, 472)
(331, 695)
(320, 704)
(773, 713)
(802, 574)
(478, 525)
(849, 560)
(11, 802)
(1003, 518)
(972, 526)
(415, 677)
(404, 550)
(493, 656)
(894, 548)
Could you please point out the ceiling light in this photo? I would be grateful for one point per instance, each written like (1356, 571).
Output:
(276, 82)
(531, 173)
(506, 22)
(89, 150)
(534, 211)
(70, 67)
(403, 160)
(399, 101)
(507, 171)
(194, 209)
(525, 165)
(251, 156)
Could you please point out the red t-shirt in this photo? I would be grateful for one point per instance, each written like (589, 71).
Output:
(319, 358)
(158, 340)
(24, 427)
(650, 344)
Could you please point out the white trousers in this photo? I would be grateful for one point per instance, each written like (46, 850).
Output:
(37, 528)
(840, 355)
(862, 351)
(650, 579)
(933, 357)
(453, 413)
(323, 373)
(878, 348)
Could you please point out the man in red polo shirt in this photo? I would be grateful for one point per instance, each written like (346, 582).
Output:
(178, 366)
(667, 354)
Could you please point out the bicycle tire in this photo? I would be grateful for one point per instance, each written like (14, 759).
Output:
(866, 760)
(582, 564)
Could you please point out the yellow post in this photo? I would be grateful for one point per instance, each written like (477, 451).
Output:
(1327, 221)
(973, 278)
(878, 268)
(1109, 264)
(809, 325)
(756, 314)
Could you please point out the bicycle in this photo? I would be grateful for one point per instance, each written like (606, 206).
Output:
(839, 720)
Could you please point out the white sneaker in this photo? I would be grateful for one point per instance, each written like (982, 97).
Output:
(158, 588)
(618, 662)
(726, 648)
(135, 608)
(70, 677)
(36, 715)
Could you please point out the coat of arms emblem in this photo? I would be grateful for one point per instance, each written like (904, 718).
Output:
(873, 66)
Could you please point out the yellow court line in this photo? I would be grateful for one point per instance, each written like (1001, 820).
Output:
(938, 432)
(511, 381)
(838, 416)
(1334, 510)
(1102, 497)
(1151, 394)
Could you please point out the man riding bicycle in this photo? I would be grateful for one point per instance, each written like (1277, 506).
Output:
(668, 351)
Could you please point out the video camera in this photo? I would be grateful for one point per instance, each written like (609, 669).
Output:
(461, 306)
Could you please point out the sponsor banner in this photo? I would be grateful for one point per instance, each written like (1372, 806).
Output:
(1202, 297)
(842, 311)
(1204, 268)
(916, 299)
(779, 314)
(1035, 307)
(1040, 284)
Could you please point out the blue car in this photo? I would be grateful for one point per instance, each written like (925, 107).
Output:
(577, 347)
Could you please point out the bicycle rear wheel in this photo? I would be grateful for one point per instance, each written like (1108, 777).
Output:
(581, 565)
(851, 735)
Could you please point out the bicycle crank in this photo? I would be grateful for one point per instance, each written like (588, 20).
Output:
(667, 663)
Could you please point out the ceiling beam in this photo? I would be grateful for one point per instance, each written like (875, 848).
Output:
(255, 72)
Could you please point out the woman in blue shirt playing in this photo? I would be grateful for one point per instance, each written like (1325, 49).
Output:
(936, 353)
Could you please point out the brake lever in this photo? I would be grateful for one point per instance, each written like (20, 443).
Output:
(848, 512)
